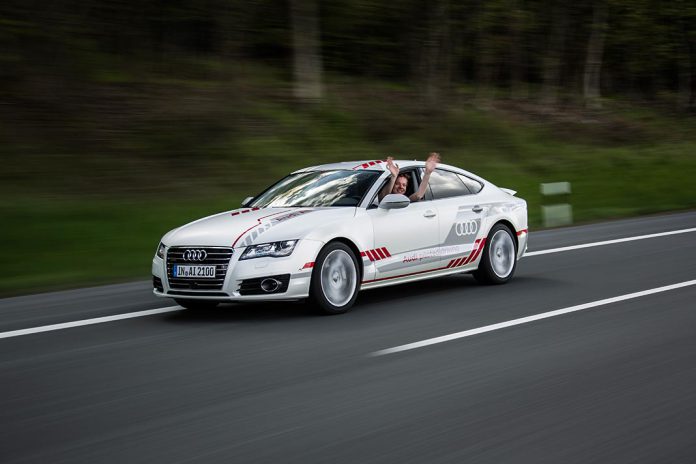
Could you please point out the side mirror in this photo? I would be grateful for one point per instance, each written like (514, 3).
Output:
(394, 201)
(246, 201)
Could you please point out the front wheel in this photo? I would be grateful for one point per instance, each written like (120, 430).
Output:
(335, 279)
(499, 258)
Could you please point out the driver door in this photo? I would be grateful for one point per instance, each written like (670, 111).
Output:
(406, 240)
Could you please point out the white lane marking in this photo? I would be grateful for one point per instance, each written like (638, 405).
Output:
(96, 320)
(609, 242)
(525, 320)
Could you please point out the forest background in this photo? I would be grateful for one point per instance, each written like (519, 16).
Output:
(120, 120)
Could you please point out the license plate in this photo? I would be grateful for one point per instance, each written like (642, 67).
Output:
(194, 272)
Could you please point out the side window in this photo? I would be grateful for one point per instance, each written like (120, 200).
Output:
(473, 185)
(445, 184)
(428, 192)
(413, 183)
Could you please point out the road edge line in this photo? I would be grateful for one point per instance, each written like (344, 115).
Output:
(84, 322)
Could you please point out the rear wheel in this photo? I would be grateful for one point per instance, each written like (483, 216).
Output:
(335, 279)
(499, 257)
(196, 304)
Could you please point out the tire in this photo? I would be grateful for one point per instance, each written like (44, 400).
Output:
(196, 305)
(335, 279)
(499, 257)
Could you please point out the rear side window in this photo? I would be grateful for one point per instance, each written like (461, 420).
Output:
(474, 186)
(445, 184)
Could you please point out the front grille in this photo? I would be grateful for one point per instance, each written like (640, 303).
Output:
(220, 257)
(253, 286)
(157, 283)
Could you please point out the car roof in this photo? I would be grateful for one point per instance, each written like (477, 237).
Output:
(381, 165)
(371, 165)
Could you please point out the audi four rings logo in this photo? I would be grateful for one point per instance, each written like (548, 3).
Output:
(195, 255)
(465, 228)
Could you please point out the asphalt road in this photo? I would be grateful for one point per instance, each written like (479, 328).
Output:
(274, 383)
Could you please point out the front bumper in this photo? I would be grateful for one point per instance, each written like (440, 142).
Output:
(298, 266)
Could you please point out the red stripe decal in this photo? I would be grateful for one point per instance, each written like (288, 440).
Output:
(240, 235)
(235, 213)
(372, 163)
(520, 232)
(369, 255)
(258, 222)
(379, 252)
(473, 252)
(386, 252)
(362, 253)
(451, 263)
(461, 261)
(365, 165)
(478, 252)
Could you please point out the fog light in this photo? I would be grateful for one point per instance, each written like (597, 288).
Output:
(270, 285)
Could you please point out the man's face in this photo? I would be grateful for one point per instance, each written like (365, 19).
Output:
(400, 185)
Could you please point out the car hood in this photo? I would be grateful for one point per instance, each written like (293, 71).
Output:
(244, 227)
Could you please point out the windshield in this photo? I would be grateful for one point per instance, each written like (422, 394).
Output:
(318, 188)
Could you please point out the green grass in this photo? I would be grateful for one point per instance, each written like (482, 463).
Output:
(55, 244)
(86, 201)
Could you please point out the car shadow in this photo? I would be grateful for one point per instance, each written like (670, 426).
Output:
(294, 310)
(227, 312)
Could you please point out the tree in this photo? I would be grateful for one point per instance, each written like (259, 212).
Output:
(307, 52)
(595, 50)
(435, 60)
(553, 60)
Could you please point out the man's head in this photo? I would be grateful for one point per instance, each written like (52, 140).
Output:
(401, 184)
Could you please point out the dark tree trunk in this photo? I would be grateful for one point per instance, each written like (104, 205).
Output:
(307, 52)
(436, 62)
(518, 87)
(554, 58)
(595, 50)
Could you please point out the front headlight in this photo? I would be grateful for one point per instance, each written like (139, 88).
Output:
(160, 250)
(273, 249)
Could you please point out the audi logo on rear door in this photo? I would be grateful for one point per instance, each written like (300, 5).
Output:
(195, 255)
(466, 228)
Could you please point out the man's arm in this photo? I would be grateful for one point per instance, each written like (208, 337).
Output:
(394, 169)
(430, 165)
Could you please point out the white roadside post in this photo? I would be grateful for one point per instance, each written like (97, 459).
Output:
(560, 214)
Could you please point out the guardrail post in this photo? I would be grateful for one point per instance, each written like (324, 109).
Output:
(558, 214)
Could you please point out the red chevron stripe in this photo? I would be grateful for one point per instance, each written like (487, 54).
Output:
(475, 256)
(473, 252)
(386, 252)
(370, 255)
(380, 253)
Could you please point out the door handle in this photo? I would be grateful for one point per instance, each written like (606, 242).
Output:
(477, 209)
(429, 213)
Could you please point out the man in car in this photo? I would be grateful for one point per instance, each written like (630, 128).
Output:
(399, 182)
